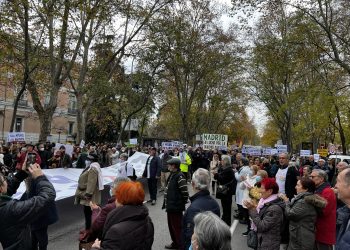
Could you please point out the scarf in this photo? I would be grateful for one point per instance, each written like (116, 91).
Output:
(97, 167)
(261, 204)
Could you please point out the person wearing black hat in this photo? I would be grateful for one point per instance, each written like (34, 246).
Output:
(152, 173)
(89, 187)
(175, 198)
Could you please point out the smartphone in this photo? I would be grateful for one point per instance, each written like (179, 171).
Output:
(31, 159)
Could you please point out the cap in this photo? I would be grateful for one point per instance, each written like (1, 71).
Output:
(175, 161)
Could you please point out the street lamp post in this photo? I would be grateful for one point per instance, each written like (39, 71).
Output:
(59, 131)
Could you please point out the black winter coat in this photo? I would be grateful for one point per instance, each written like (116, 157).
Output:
(128, 228)
(226, 176)
(176, 193)
(343, 233)
(17, 215)
(200, 202)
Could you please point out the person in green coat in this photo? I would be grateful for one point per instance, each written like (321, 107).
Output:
(302, 212)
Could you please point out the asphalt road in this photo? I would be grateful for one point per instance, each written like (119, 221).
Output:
(64, 234)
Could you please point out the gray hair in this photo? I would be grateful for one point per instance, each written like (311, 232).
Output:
(344, 164)
(119, 180)
(347, 176)
(321, 173)
(226, 161)
(124, 155)
(211, 231)
(201, 179)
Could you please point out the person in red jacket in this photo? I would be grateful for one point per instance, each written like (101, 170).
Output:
(326, 222)
(23, 156)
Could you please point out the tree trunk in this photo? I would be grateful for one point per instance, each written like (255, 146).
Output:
(341, 130)
(15, 106)
(81, 119)
(45, 119)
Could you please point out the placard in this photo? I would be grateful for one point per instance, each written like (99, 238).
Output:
(16, 137)
(316, 157)
(214, 141)
(305, 153)
(133, 141)
(282, 148)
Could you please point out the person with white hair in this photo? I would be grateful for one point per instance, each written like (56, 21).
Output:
(226, 179)
(326, 222)
(200, 201)
(210, 233)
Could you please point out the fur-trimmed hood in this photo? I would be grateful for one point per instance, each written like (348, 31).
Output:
(316, 200)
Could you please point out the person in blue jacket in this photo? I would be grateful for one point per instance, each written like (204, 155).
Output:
(201, 201)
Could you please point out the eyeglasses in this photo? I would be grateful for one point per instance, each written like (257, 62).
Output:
(313, 176)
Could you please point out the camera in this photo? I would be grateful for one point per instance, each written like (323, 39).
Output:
(31, 159)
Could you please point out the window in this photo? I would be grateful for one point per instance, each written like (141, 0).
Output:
(46, 99)
(19, 124)
(71, 128)
(72, 106)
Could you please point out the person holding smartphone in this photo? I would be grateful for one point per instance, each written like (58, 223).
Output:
(16, 215)
(22, 157)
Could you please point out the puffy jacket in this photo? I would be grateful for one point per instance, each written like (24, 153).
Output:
(128, 228)
(176, 193)
(343, 233)
(200, 202)
(17, 215)
(269, 224)
(302, 213)
(326, 222)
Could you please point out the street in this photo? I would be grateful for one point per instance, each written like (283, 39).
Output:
(64, 234)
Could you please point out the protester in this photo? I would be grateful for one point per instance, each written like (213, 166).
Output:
(343, 191)
(44, 156)
(302, 212)
(128, 226)
(267, 216)
(152, 173)
(214, 167)
(241, 176)
(164, 175)
(225, 178)
(286, 177)
(246, 186)
(200, 201)
(99, 215)
(210, 233)
(17, 215)
(47, 217)
(89, 187)
(175, 198)
(22, 157)
(185, 162)
(326, 222)
(64, 160)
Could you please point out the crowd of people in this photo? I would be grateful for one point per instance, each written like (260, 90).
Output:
(285, 202)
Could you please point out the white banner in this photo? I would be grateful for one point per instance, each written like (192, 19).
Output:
(69, 148)
(214, 141)
(305, 152)
(16, 137)
(65, 181)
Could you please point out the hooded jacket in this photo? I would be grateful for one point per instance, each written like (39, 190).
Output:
(269, 224)
(128, 228)
(302, 214)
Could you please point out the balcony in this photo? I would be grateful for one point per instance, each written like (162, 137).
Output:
(72, 111)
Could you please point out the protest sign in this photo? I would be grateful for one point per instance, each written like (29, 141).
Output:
(274, 151)
(16, 137)
(322, 152)
(255, 151)
(133, 141)
(304, 153)
(82, 144)
(281, 148)
(266, 151)
(214, 141)
(316, 157)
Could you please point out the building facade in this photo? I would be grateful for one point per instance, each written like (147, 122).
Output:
(63, 127)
